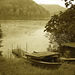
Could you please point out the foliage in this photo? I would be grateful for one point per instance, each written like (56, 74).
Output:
(68, 2)
(62, 26)
(21, 9)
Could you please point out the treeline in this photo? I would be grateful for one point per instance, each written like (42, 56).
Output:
(53, 9)
(21, 9)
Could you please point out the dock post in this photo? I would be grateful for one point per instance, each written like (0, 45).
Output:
(26, 47)
(12, 46)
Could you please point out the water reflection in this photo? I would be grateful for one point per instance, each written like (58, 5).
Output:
(36, 41)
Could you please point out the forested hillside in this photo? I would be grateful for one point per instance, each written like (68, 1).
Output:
(53, 9)
(21, 9)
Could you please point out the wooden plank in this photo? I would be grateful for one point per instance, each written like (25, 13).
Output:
(46, 63)
(42, 54)
(70, 44)
(67, 59)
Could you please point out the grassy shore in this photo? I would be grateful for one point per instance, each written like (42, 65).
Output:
(19, 66)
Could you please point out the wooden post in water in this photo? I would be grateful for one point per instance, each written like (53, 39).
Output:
(26, 47)
(20, 50)
(17, 46)
(8, 54)
(12, 46)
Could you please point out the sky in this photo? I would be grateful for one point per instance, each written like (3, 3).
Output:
(58, 2)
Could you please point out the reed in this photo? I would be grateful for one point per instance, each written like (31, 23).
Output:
(19, 66)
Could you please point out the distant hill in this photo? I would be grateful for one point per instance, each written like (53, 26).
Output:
(53, 9)
(21, 9)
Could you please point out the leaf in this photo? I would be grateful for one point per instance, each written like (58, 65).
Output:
(65, 0)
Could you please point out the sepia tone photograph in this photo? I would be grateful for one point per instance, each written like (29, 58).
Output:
(37, 37)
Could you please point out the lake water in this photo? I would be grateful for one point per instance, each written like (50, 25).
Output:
(22, 32)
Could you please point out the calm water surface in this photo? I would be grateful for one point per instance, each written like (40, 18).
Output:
(19, 32)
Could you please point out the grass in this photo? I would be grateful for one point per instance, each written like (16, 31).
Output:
(19, 66)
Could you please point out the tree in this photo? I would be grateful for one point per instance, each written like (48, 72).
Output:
(22, 9)
(68, 2)
(62, 26)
